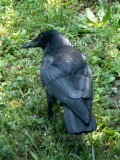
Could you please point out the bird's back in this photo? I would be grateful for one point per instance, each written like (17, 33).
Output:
(66, 58)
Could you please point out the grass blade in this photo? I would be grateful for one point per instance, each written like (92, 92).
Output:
(107, 15)
(34, 155)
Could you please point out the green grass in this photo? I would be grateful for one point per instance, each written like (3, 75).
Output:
(25, 132)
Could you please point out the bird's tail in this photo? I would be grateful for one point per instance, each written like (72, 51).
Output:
(75, 125)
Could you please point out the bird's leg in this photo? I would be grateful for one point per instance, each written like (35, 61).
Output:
(50, 101)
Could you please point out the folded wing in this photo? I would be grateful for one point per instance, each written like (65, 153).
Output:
(74, 91)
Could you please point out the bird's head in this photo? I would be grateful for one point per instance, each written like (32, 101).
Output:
(51, 38)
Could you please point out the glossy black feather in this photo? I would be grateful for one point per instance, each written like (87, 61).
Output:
(67, 77)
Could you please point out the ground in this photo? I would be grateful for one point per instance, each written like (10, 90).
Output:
(25, 132)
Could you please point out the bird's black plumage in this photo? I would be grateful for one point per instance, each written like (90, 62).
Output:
(67, 77)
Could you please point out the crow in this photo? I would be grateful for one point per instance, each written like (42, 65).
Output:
(67, 77)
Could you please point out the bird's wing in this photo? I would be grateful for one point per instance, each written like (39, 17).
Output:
(70, 89)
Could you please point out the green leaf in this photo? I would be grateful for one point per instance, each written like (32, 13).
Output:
(90, 16)
(107, 15)
(23, 32)
(40, 120)
(35, 157)
(91, 30)
(109, 131)
(19, 78)
(101, 10)
(111, 79)
(118, 144)
(119, 22)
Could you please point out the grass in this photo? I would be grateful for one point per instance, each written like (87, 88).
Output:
(25, 132)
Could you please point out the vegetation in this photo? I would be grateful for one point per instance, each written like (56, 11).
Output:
(25, 132)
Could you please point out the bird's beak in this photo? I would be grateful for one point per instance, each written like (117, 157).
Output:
(31, 44)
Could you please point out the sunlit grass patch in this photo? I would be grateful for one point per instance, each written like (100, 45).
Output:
(25, 132)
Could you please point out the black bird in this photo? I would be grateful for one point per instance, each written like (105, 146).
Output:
(67, 77)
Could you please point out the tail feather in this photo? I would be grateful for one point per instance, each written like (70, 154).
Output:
(75, 125)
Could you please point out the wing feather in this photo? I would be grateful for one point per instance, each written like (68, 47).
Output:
(71, 89)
